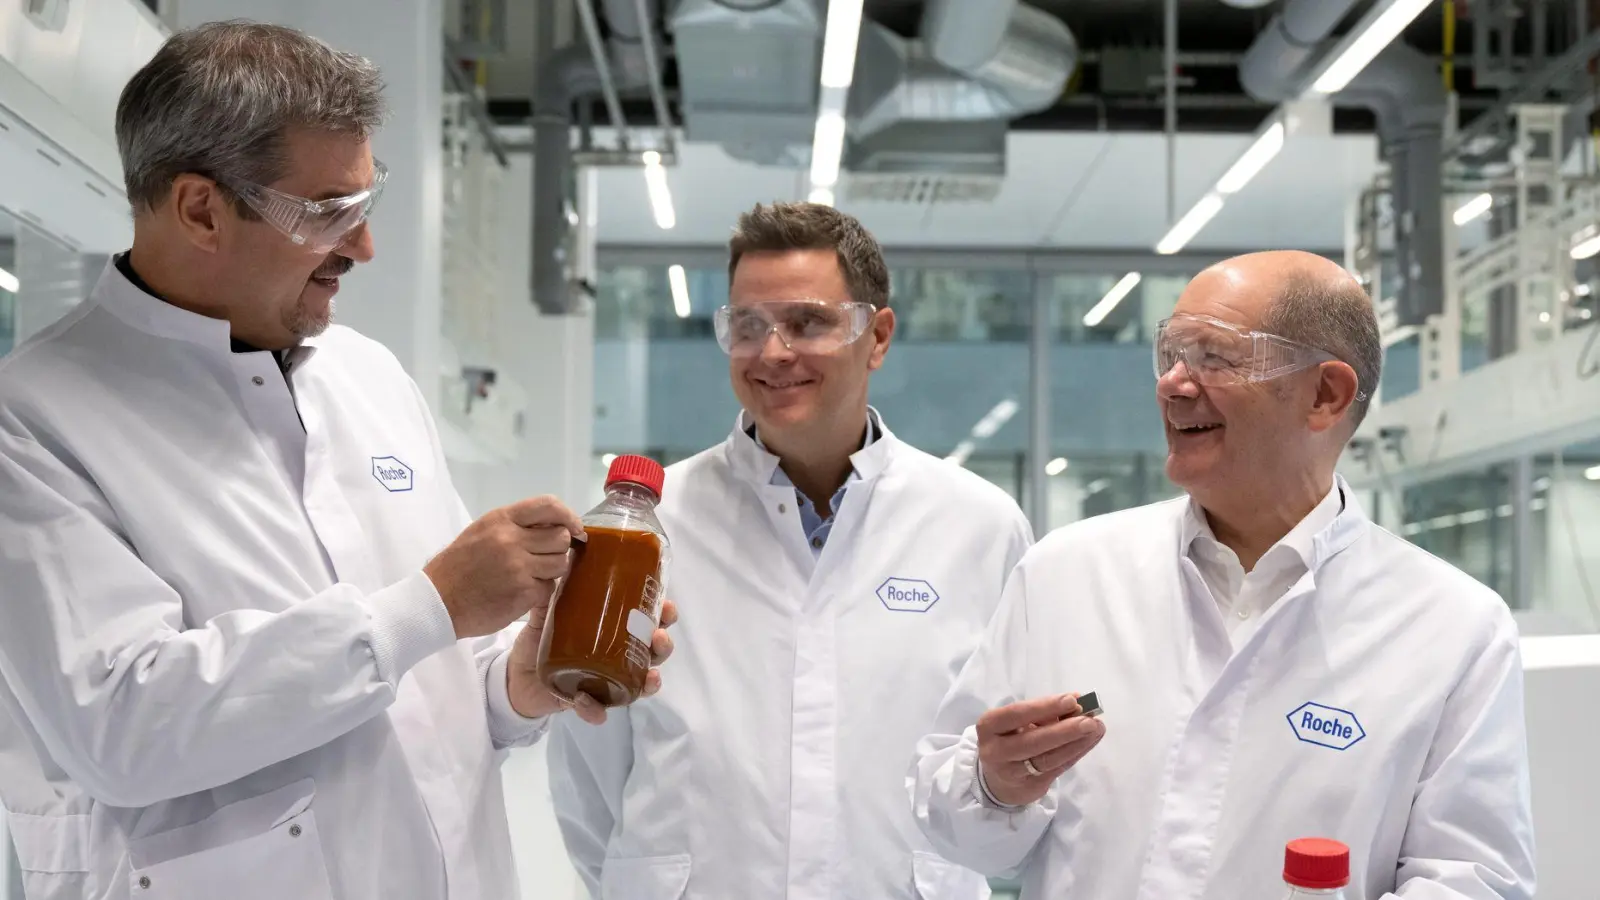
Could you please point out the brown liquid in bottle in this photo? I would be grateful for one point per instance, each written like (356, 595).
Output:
(597, 637)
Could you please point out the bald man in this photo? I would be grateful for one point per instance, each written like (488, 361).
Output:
(1272, 665)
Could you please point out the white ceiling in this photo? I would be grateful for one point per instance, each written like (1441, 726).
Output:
(1067, 190)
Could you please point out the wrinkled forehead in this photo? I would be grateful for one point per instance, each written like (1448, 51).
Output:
(1193, 327)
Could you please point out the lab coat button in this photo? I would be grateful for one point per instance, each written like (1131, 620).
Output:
(258, 381)
(816, 542)
(144, 882)
(294, 831)
(1244, 613)
(782, 508)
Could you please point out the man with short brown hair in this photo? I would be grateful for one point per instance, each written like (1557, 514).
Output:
(840, 579)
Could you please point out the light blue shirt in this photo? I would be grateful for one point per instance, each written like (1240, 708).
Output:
(817, 528)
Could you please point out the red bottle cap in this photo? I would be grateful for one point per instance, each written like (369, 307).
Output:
(1316, 864)
(640, 470)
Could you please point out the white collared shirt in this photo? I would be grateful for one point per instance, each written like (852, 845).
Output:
(1243, 596)
(224, 671)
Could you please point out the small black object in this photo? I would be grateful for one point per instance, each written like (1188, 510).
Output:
(1089, 703)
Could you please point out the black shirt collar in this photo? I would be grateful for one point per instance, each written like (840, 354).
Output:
(125, 266)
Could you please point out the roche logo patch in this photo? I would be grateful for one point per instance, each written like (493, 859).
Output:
(1326, 726)
(393, 474)
(908, 595)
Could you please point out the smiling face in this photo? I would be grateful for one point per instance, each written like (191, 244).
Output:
(1225, 440)
(796, 396)
(286, 292)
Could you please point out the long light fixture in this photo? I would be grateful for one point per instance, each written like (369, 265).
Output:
(1473, 208)
(1592, 473)
(1190, 225)
(9, 282)
(1586, 247)
(983, 430)
(1254, 160)
(1056, 466)
(655, 180)
(1099, 311)
(1370, 37)
(680, 290)
(827, 149)
(840, 37)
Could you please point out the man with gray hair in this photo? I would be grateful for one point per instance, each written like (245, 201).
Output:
(253, 646)
(1273, 665)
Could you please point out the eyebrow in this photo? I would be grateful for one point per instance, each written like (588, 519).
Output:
(320, 196)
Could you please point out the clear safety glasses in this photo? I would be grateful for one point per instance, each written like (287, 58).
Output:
(804, 326)
(321, 226)
(1217, 353)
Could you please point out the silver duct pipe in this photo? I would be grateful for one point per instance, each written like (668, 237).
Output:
(1403, 90)
(565, 76)
(971, 62)
(1275, 65)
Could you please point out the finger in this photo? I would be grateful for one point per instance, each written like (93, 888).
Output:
(1040, 711)
(548, 566)
(545, 510)
(1044, 739)
(660, 647)
(545, 539)
(652, 683)
(1067, 756)
(589, 709)
(669, 614)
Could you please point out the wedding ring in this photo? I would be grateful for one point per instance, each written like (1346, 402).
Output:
(1032, 769)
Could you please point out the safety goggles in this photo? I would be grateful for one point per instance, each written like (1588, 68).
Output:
(804, 326)
(1217, 353)
(321, 226)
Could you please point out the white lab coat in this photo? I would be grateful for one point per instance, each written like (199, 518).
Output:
(217, 682)
(1209, 765)
(771, 765)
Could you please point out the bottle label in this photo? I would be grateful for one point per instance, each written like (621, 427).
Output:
(640, 628)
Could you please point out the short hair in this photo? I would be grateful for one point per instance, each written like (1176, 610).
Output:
(777, 227)
(220, 100)
(1337, 316)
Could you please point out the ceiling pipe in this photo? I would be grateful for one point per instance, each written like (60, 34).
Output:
(1403, 89)
(565, 76)
(1276, 66)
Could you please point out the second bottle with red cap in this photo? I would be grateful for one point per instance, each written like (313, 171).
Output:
(597, 635)
(1316, 869)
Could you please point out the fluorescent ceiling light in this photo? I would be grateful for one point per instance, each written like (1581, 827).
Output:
(1592, 473)
(1586, 248)
(827, 148)
(9, 282)
(1056, 466)
(1377, 34)
(961, 452)
(1474, 208)
(608, 459)
(994, 418)
(655, 180)
(1109, 302)
(839, 43)
(680, 290)
(1254, 160)
(1190, 225)
(821, 195)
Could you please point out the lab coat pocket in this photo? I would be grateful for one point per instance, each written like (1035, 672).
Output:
(645, 878)
(263, 848)
(938, 878)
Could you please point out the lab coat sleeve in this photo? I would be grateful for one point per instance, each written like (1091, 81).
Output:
(945, 796)
(589, 769)
(1470, 836)
(139, 705)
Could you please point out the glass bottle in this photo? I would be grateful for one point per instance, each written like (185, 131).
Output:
(597, 633)
(1316, 868)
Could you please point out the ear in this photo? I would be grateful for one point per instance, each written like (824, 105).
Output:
(199, 208)
(882, 333)
(1337, 386)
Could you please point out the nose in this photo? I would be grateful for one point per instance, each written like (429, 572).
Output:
(359, 247)
(1175, 383)
(774, 350)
